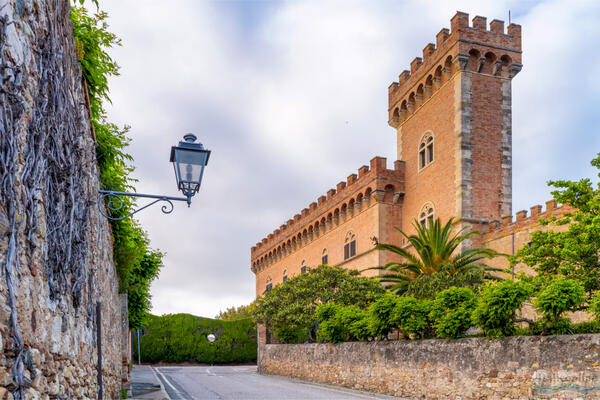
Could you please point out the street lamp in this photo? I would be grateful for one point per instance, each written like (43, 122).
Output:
(189, 159)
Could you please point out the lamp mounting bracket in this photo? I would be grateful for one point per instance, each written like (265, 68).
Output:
(114, 202)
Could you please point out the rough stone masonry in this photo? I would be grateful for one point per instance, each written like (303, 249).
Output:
(525, 367)
(55, 248)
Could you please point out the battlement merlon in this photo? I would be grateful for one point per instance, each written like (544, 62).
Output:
(464, 47)
(508, 225)
(370, 181)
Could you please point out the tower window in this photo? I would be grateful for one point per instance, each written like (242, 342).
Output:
(426, 151)
(303, 269)
(349, 246)
(284, 275)
(325, 257)
(426, 215)
(269, 285)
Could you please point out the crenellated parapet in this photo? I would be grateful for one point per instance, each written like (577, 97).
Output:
(509, 226)
(373, 184)
(465, 47)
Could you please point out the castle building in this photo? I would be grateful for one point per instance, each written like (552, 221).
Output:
(452, 116)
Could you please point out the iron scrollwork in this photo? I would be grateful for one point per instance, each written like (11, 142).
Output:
(114, 202)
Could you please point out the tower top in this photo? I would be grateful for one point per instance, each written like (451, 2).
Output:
(464, 47)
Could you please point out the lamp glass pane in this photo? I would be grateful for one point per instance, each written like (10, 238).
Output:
(190, 164)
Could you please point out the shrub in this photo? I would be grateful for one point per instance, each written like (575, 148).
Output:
(451, 312)
(585, 327)
(498, 305)
(412, 316)
(428, 286)
(594, 306)
(558, 297)
(356, 323)
(293, 303)
(330, 328)
(291, 335)
(182, 338)
(342, 323)
(381, 318)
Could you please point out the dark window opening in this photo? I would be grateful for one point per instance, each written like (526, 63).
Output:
(303, 270)
(269, 287)
(350, 249)
(325, 259)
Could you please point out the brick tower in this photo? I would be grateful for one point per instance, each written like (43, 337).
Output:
(452, 112)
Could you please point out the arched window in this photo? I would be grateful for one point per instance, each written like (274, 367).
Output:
(325, 257)
(426, 151)
(349, 246)
(269, 285)
(303, 268)
(284, 275)
(426, 215)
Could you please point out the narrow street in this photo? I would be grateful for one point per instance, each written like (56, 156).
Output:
(243, 383)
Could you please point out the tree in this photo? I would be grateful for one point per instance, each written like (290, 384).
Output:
(574, 252)
(554, 300)
(451, 312)
(498, 305)
(233, 313)
(435, 264)
(290, 306)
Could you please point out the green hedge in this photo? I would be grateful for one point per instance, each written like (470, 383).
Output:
(182, 338)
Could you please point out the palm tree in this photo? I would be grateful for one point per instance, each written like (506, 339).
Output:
(434, 246)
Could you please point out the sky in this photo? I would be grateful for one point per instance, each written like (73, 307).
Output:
(291, 98)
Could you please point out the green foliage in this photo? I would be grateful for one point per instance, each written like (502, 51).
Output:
(381, 312)
(573, 253)
(428, 286)
(558, 297)
(291, 335)
(585, 327)
(436, 257)
(137, 264)
(498, 304)
(451, 312)
(92, 39)
(293, 303)
(342, 323)
(180, 338)
(594, 305)
(233, 313)
(412, 316)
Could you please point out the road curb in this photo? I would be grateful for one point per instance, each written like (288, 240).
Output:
(162, 388)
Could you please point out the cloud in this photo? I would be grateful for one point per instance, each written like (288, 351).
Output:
(291, 97)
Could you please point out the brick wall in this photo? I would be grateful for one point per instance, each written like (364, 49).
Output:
(557, 367)
(367, 205)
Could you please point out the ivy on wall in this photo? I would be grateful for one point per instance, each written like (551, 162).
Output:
(137, 263)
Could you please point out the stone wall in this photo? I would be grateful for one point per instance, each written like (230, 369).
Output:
(525, 367)
(55, 249)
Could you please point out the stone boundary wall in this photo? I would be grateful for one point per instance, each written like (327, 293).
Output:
(522, 367)
(56, 250)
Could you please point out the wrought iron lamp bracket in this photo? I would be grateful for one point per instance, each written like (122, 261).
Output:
(114, 202)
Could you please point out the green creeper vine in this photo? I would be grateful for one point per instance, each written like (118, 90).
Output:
(137, 264)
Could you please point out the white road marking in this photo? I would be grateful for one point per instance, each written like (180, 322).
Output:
(160, 383)
(177, 392)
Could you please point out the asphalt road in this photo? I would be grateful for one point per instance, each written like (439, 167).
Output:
(243, 383)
